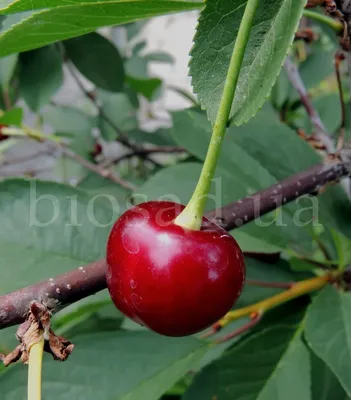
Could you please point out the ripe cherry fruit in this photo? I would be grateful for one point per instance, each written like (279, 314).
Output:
(174, 280)
(2, 136)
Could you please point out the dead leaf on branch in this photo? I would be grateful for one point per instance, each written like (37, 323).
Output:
(36, 326)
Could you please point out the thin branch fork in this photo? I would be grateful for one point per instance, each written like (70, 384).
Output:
(144, 152)
(296, 81)
(75, 285)
(104, 172)
(26, 132)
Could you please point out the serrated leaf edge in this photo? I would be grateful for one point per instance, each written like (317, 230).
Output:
(269, 92)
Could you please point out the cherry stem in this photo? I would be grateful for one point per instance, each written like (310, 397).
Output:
(254, 320)
(337, 26)
(191, 216)
(34, 370)
(275, 285)
(298, 289)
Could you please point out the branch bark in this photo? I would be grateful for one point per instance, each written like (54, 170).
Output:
(320, 129)
(75, 285)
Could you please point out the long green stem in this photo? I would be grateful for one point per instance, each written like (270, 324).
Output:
(337, 26)
(298, 289)
(191, 216)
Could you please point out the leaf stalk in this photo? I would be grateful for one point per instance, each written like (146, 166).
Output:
(298, 289)
(191, 216)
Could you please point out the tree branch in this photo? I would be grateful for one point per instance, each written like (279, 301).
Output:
(104, 172)
(307, 182)
(55, 293)
(143, 153)
(296, 81)
(122, 137)
(30, 133)
(89, 279)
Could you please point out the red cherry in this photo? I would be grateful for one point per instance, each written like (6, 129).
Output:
(174, 280)
(2, 136)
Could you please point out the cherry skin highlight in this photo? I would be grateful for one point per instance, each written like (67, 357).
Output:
(173, 280)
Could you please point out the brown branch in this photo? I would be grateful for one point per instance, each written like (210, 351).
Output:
(254, 320)
(89, 279)
(339, 57)
(307, 182)
(296, 81)
(104, 172)
(56, 293)
(122, 137)
(144, 152)
(265, 284)
(27, 157)
(59, 145)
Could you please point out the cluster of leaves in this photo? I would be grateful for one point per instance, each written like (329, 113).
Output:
(300, 350)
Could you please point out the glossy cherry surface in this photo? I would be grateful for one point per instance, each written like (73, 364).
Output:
(173, 280)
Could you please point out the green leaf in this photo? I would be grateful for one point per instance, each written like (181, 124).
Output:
(48, 229)
(160, 137)
(123, 366)
(7, 68)
(94, 317)
(328, 332)
(76, 127)
(98, 60)
(96, 185)
(32, 29)
(281, 90)
(256, 139)
(177, 183)
(118, 108)
(300, 265)
(75, 123)
(12, 117)
(265, 132)
(133, 28)
(239, 174)
(325, 386)
(258, 270)
(263, 367)
(27, 5)
(319, 63)
(254, 244)
(328, 107)
(159, 58)
(40, 76)
(138, 47)
(146, 87)
(34, 215)
(136, 67)
(343, 249)
(272, 33)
